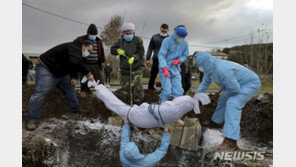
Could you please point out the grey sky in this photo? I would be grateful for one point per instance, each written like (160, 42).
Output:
(209, 22)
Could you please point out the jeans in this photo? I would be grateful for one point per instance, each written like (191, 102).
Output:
(107, 76)
(45, 81)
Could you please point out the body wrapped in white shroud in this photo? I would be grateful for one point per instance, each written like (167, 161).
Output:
(170, 111)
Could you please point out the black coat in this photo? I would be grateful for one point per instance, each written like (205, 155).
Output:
(64, 59)
(108, 70)
(154, 45)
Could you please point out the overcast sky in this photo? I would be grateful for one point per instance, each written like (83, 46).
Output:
(215, 23)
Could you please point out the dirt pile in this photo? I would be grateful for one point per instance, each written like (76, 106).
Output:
(256, 121)
(56, 105)
(34, 151)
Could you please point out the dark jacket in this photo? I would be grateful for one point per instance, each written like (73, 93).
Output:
(64, 59)
(134, 48)
(186, 73)
(25, 67)
(101, 54)
(108, 70)
(154, 45)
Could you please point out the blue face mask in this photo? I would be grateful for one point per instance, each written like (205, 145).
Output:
(92, 37)
(128, 37)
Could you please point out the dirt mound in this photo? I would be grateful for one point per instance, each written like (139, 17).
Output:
(56, 105)
(256, 121)
(34, 151)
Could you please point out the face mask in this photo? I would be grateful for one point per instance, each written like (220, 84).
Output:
(128, 37)
(163, 34)
(92, 37)
(108, 64)
(180, 39)
(85, 53)
(201, 69)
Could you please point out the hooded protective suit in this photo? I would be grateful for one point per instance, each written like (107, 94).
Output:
(238, 84)
(171, 50)
(130, 155)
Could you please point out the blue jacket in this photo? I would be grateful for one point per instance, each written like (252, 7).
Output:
(130, 155)
(171, 50)
(228, 75)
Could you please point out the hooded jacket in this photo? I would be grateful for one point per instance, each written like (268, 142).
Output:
(228, 75)
(134, 48)
(172, 50)
(130, 155)
(64, 59)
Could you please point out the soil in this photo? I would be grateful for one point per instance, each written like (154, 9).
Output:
(256, 121)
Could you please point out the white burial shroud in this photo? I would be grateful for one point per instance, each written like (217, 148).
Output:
(170, 111)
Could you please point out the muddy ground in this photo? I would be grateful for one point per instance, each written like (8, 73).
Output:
(256, 125)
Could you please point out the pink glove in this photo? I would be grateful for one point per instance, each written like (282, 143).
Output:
(176, 62)
(165, 72)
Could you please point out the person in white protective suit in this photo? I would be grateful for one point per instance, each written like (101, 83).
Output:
(150, 115)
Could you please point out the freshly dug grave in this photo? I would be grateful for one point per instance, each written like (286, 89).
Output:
(256, 121)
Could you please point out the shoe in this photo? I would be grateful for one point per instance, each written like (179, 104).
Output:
(211, 124)
(31, 126)
(228, 144)
(80, 111)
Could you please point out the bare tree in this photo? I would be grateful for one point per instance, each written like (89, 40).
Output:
(110, 35)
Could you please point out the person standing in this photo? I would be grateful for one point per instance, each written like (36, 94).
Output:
(54, 68)
(238, 85)
(130, 48)
(186, 73)
(95, 60)
(174, 51)
(154, 46)
(108, 71)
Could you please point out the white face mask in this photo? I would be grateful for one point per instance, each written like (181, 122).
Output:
(163, 34)
(179, 39)
(201, 69)
(85, 53)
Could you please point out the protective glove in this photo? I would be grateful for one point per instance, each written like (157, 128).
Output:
(165, 72)
(203, 98)
(121, 52)
(93, 83)
(131, 60)
(176, 62)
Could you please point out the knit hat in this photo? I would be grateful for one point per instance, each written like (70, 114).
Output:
(92, 30)
(127, 26)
